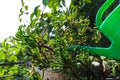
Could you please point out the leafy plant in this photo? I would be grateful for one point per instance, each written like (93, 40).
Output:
(43, 43)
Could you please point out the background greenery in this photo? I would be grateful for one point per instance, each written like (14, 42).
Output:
(43, 43)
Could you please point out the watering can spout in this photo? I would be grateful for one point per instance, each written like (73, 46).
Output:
(108, 52)
(93, 50)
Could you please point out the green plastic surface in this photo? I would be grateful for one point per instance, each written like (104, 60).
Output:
(110, 27)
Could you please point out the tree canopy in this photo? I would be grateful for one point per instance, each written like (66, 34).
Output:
(43, 43)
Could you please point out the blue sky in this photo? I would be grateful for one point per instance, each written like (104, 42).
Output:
(9, 12)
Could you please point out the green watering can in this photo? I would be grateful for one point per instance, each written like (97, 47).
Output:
(110, 27)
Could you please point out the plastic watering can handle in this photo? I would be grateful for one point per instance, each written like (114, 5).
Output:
(101, 11)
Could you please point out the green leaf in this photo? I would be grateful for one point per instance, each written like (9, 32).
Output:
(33, 22)
(13, 69)
(63, 2)
(2, 56)
(45, 2)
(47, 15)
(20, 19)
(21, 12)
(4, 42)
(46, 36)
(31, 16)
(53, 4)
(37, 11)
(13, 58)
(26, 7)
(113, 70)
(88, 1)
(51, 42)
(23, 3)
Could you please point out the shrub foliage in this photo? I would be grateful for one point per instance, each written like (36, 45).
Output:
(43, 43)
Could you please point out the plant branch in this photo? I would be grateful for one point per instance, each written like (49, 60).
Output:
(4, 76)
(42, 45)
(12, 63)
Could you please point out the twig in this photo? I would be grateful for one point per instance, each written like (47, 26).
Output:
(4, 76)
(11, 63)
(42, 45)
(39, 46)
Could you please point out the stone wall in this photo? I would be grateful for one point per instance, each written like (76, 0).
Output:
(51, 75)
